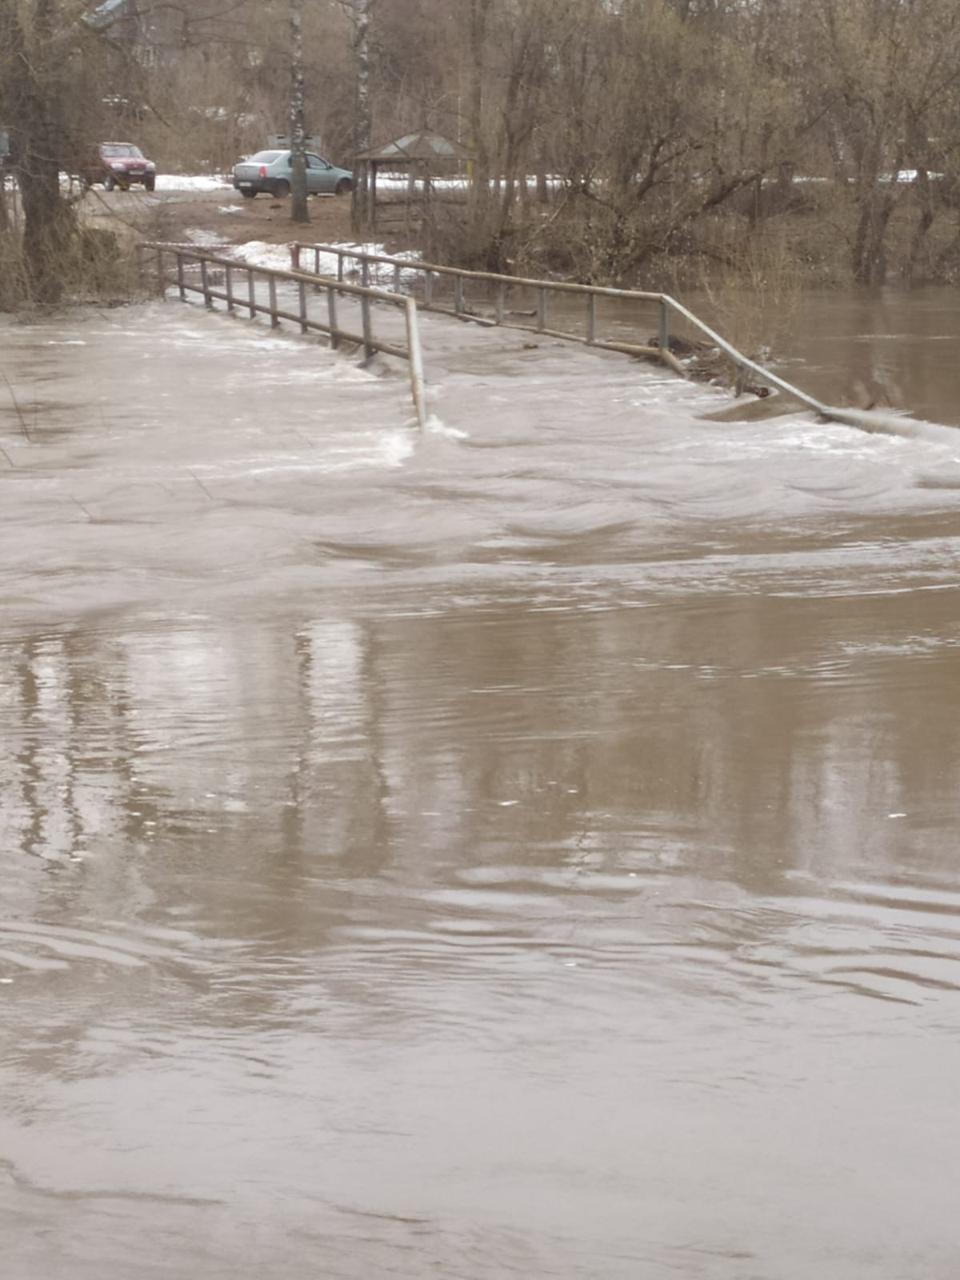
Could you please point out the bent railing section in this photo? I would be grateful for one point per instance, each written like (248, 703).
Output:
(309, 257)
(218, 278)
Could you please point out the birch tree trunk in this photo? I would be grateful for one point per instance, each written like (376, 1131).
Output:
(363, 119)
(361, 12)
(480, 160)
(298, 170)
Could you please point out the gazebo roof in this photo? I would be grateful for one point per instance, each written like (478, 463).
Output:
(417, 146)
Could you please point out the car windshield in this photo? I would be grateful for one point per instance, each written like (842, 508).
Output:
(125, 149)
(266, 157)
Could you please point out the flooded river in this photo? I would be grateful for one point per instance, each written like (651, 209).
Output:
(526, 849)
(891, 345)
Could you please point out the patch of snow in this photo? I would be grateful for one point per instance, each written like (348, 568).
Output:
(387, 181)
(907, 176)
(191, 182)
(381, 273)
(195, 235)
(400, 182)
(261, 254)
(277, 256)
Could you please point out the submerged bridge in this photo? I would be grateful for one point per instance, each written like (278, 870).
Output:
(355, 314)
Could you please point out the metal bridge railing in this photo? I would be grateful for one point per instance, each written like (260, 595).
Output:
(305, 256)
(215, 277)
(188, 268)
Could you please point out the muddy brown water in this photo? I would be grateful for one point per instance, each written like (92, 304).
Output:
(525, 850)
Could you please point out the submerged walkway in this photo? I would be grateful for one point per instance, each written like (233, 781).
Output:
(163, 452)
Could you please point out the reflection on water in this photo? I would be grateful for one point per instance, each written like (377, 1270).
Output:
(512, 866)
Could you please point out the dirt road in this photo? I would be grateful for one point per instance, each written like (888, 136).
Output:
(223, 213)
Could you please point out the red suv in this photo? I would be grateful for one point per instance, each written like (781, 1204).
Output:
(118, 164)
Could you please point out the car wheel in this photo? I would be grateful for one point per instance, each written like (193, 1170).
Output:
(344, 186)
(109, 182)
(149, 184)
(282, 189)
(248, 195)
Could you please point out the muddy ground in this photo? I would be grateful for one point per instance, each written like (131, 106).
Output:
(176, 215)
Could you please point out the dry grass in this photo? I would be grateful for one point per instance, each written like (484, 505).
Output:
(94, 267)
(754, 297)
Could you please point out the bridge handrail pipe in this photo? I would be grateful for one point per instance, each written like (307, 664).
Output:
(741, 360)
(667, 304)
(416, 264)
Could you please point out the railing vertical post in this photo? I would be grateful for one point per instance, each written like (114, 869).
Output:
(205, 282)
(228, 275)
(365, 273)
(664, 325)
(501, 301)
(181, 283)
(302, 291)
(367, 331)
(591, 317)
(396, 278)
(541, 310)
(295, 256)
(428, 288)
(415, 356)
(251, 293)
(339, 264)
(318, 287)
(458, 294)
(274, 318)
(332, 315)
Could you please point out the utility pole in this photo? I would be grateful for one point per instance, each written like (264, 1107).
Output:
(298, 157)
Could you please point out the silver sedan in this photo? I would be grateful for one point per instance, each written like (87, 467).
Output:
(270, 171)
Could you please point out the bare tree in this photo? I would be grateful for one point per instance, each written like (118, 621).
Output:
(298, 160)
(30, 106)
(887, 69)
(360, 15)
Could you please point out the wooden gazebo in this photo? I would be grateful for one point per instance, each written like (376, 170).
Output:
(417, 159)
